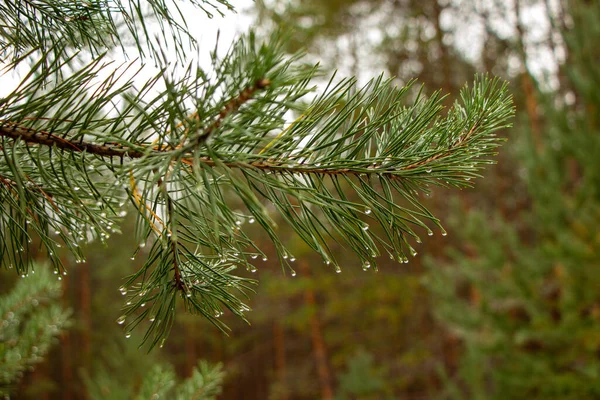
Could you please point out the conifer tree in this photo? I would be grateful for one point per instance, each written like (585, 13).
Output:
(525, 300)
(30, 321)
(82, 139)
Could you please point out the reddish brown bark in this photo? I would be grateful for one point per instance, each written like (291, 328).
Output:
(191, 354)
(85, 312)
(280, 360)
(318, 342)
(67, 374)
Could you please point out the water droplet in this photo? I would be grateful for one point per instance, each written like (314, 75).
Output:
(132, 258)
(337, 269)
(162, 343)
(365, 227)
(468, 178)
(128, 303)
(254, 257)
(121, 319)
(55, 272)
(189, 294)
(127, 335)
(123, 290)
(152, 318)
(264, 258)
(444, 233)
(293, 273)
(253, 270)
(285, 256)
(76, 188)
(429, 232)
(65, 273)
(429, 171)
(142, 245)
(238, 223)
(251, 220)
(122, 213)
(143, 305)
(366, 265)
(60, 278)
(91, 168)
(368, 211)
(293, 259)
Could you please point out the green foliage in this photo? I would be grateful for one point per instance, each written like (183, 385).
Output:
(30, 321)
(525, 302)
(362, 380)
(160, 382)
(81, 138)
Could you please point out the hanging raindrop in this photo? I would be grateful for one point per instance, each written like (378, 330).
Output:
(121, 319)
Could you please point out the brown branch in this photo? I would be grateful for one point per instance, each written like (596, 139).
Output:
(233, 105)
(10, 184)
(30, 135)
(177, 277)
(110, 150)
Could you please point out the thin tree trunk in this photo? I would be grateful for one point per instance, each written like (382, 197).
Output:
(446, 65)
(85, 312)
(65, 351)
(191, 354)
(527, 84)
(280, 360)
(318, 342)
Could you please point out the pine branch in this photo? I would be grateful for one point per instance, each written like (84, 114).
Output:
(188, 148)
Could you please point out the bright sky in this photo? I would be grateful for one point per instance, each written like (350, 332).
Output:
(233, 24)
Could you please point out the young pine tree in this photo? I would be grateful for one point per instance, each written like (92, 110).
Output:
(83, 139)
(525, 300)
(30, 321)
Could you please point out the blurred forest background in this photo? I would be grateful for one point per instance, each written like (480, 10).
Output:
(506, 306)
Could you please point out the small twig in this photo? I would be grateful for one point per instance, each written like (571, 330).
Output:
(232, 106)
(177, 272)
(30, 135)
(138, 199)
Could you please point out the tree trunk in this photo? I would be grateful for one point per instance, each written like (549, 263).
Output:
(280, 361)
(318, 342)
